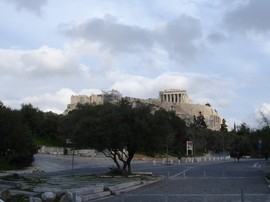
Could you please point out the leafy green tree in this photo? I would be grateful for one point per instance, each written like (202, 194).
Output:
(32, 118)
(125, 128)
(241, 140)
(224, 126)
(81, 126)
(49, 126)
(6, 120)
(196, 133)
(20, 147)
(263, 136)
(17, 147)
(207, 104)
(171, 132)
(199, 121)
(120, 130)
(243, 130)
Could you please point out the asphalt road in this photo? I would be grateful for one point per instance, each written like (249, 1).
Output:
(190, 182)
(210, 182)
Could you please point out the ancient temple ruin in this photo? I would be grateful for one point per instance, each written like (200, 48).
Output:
(94, 99)
(174, 96)
(178, 101)
(171, 99)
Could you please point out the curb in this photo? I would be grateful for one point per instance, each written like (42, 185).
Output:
(118, 189)
(136, 186)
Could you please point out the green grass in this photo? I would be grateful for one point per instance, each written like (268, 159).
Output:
(30, 181)
(52, 142)
(19, 198)
(4, 165)
(268, 176)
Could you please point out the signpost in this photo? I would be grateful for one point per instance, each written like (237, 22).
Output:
(189, 145)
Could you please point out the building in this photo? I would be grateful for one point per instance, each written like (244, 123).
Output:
(178, 101)
(94, 99)
(171, 99)
(174, 96)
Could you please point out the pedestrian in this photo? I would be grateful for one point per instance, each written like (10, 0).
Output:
(266, 155)
(238, 156)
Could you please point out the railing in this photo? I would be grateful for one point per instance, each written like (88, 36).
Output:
(190, 160)
(204, 197)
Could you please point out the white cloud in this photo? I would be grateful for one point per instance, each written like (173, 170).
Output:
(201, 88)
(90, 92)
(94, 59)
(44, 101)
(42, 62)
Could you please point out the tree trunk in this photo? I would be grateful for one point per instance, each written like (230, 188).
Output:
(113, 156)
(128, 162)
(116, 162)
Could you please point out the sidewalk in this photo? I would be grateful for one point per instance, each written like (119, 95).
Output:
(81, 186)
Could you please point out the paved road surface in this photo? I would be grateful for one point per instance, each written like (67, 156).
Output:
(208, 182)
(223, 181)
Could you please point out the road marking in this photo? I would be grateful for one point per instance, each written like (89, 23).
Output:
(183, 172)
(256, 165)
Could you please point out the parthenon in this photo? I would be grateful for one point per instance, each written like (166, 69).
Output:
(174, 96)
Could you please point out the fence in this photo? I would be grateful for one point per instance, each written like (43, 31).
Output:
(204, 197)
(190, 160)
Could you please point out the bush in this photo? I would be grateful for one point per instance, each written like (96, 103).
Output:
(267, 176)
(116, 172)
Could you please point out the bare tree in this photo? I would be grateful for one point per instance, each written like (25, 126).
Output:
(263, 119)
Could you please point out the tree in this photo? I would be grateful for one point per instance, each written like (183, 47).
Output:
(199, 121)
(125, 128)
(32, 118)
(120, 130)
(241, 140)
(17, 147)
(224, 131)
(224, 126)
(196, 131)
(20, 147)
(207, 104)
(49, 126)
(243, 130)
(81, 126)
(264, 118)
(170, 131)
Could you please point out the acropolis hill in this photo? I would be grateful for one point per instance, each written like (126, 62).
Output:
(171, 99)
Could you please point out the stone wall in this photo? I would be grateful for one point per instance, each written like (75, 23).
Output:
(95, 99)
(67, 151)
(188, 111)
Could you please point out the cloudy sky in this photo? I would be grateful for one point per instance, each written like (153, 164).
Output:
(219, 51)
